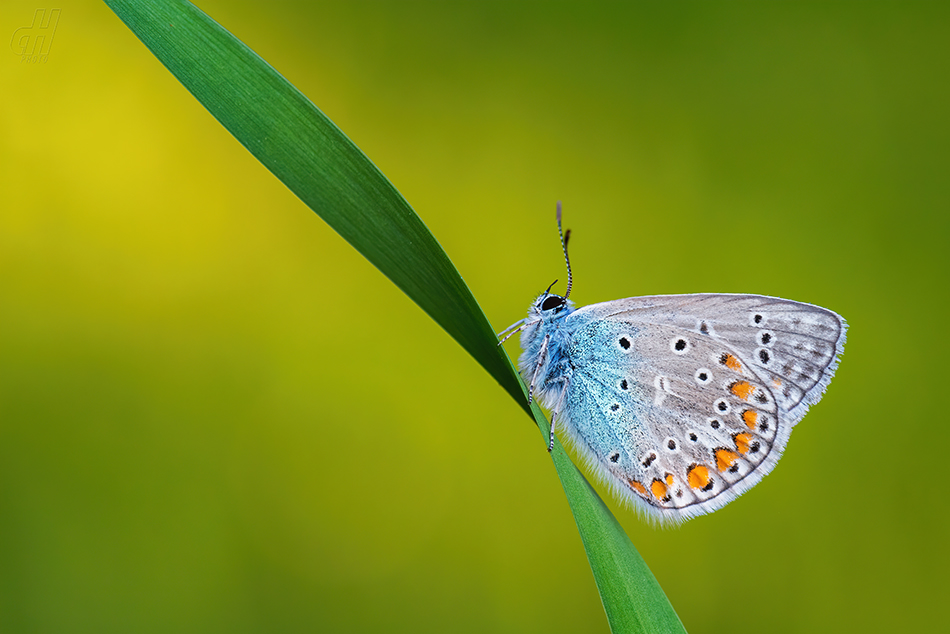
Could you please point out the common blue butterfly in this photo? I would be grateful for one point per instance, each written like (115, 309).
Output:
(679, 403)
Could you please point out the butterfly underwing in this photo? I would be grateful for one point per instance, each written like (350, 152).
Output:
(679, 403)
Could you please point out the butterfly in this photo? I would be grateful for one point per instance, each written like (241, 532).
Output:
(678, 403)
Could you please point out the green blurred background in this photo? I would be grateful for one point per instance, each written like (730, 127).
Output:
(215, 416)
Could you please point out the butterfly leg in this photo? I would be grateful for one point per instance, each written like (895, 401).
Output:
(537, 368)
(514, 328)
(560, 403)
(510, 330)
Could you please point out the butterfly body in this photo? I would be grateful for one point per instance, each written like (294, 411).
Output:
(679, 403)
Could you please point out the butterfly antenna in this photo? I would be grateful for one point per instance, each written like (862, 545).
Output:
(564, 238)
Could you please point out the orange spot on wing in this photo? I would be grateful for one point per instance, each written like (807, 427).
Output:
(742, 389)
(669, 479)
(750, 416)
(742, 442)
(658, 489)
(698, 477)
(776, 383)
(730, 362)
(724, 459)
(639, 488)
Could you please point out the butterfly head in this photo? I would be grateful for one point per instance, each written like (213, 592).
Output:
(554, 303)
(548, 306)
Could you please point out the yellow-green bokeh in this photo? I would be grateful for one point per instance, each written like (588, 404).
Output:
(215, 416)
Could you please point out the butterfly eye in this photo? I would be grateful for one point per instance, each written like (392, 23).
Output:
(552, 302)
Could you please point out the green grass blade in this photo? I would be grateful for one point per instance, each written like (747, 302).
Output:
(632, 598)
(309, 154)
(316, 161)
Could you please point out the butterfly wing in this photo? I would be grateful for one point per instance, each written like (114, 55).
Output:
(683, 402)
